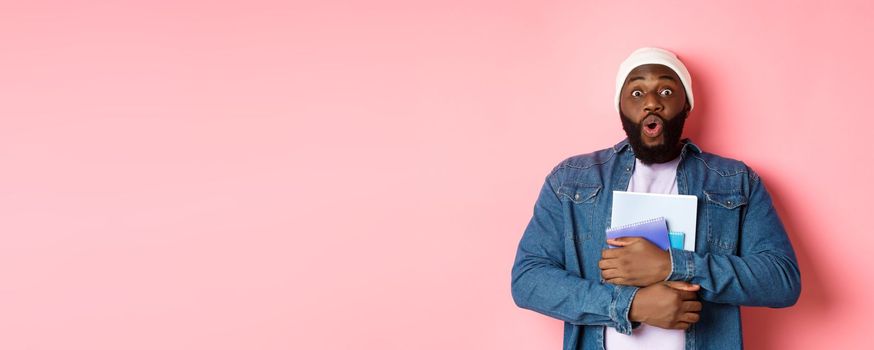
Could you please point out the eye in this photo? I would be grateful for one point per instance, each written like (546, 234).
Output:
(637, 93)
(667, 92)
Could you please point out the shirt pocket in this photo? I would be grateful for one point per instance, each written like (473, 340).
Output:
(724, 212)
(582, 199)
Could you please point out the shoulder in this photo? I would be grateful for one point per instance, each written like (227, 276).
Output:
(588, 160)
(585, 167)
(724, 166)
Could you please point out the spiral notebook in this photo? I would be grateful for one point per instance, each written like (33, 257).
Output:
(654, 230)
(680, 212)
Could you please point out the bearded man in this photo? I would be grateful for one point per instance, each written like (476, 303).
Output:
(638, 296)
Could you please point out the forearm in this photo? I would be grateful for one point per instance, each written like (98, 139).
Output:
(763, 279)
(763, 273)
(540, 281)
(557, 293)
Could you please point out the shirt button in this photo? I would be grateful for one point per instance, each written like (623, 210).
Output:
(627, 169)
(577, 196)
(729, 202)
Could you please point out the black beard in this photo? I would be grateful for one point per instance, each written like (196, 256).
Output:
(667, 151)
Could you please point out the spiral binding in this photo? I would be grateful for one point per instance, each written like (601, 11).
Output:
(613, 229)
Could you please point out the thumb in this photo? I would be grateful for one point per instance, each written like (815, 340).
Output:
(683, 286)
(622, 241)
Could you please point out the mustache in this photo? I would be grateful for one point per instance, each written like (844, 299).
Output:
(643, 122)
(673, 130)
(654, 114)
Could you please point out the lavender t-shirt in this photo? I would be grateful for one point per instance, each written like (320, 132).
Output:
(654, 178)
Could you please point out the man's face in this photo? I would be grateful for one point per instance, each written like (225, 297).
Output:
(653, 109)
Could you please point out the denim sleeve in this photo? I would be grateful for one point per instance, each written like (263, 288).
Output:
(541, 283)
(765, 271)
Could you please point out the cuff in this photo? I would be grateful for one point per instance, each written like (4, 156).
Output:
(621, 306)
(682, 265)
(668, 277)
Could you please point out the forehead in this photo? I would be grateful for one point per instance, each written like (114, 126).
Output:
(652, 72)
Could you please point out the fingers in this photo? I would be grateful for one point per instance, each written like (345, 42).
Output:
(625, 241)
(680, 285)
(618, 281)
(622, 241)
(609, 253)
(690, 317)
(681, 325)
(610, 274)
(687, 295)
(692, 306)
(608, 264)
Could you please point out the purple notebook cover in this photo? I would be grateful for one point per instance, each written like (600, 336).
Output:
(655, 230)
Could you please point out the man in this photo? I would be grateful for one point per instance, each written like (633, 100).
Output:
(637, 296)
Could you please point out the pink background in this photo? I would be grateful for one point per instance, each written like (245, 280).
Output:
(357, 175)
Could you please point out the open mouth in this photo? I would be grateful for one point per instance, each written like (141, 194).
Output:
(652, 126)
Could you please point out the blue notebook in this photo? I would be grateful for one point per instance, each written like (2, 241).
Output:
(654, 230)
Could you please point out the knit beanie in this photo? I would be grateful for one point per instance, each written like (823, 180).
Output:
(653, 55)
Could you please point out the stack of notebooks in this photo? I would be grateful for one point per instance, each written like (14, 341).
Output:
(667, 221)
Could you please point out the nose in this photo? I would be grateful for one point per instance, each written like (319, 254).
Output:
(652, 104)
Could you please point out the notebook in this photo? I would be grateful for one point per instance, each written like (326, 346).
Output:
(654, 230)
(677, 239)
(679, 211)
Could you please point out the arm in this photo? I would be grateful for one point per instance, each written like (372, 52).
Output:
(765, 272)
(541, 283)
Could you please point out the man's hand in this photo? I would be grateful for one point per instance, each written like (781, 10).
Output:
(636, 262)
(670, 305)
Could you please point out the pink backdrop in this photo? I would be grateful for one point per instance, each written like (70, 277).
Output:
(357, 175)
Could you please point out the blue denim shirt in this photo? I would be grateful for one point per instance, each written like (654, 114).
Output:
(742, 254)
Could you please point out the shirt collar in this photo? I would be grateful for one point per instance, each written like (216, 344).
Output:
(688, 146)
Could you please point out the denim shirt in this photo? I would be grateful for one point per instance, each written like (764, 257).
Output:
(742, 253)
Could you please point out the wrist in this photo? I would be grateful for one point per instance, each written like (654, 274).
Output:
(667, 265)
(634, 314)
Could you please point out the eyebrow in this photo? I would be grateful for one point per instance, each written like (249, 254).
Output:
(667, 77)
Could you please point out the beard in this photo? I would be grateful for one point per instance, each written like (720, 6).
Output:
(663, 152)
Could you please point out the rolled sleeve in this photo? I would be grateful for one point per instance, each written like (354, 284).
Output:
(621, 307)
(682, 265)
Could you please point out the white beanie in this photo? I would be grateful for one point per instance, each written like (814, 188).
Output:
(653, 55)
